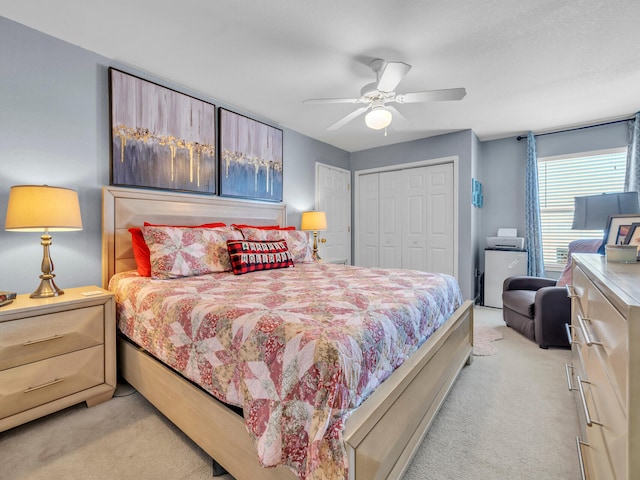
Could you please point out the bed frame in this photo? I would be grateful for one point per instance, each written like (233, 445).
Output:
(381, 435)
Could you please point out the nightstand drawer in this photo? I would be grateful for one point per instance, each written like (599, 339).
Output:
(28, 386)
(43, 336)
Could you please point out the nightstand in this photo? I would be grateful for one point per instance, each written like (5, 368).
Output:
(56, 352)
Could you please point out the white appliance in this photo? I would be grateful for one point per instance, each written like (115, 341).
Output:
(498, 266)
(506, 240)
(505, 243)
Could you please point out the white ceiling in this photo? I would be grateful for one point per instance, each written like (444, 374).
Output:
(538, 65)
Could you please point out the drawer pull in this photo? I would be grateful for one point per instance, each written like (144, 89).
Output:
(568, 328)
(569, 382)
(573, 294)
(587, 417)
(583, 326)
(48, 384)
(579, 444)
(40, 340)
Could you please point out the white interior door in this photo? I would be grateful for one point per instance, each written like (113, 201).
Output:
(333, 196)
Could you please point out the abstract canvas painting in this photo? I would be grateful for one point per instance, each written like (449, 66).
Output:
(250, 158)
(160, 138)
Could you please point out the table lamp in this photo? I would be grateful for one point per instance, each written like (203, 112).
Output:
(592, 212)
(314, 221)
(41, 208)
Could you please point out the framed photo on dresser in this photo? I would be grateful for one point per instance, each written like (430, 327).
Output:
(618, 228)
(633, 235)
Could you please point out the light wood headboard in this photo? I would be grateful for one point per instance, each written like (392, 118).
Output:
(123, 208)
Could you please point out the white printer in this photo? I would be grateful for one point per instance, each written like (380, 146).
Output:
(506, 240)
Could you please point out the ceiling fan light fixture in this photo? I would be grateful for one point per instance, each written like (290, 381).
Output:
(378, 118)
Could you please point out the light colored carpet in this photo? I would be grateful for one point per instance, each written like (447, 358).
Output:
(508, 417)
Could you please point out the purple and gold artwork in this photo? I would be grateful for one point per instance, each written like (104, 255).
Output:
(160, 138)
(250, 158)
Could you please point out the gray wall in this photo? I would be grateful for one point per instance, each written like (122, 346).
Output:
(503, 164)
(54, 129)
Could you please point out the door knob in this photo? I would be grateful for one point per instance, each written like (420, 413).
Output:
(323, 240)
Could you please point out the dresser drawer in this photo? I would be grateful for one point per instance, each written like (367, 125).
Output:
(43, 336)
(595, 458)
(607, 326)
(609, 426)
(37, 383)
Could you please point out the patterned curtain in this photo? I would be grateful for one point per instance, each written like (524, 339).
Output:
(632, 174)
(533, 229)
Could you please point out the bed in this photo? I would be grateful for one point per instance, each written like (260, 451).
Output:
(378, 437)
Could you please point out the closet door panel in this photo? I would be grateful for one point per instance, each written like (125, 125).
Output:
(440, 236)
(415, 219)
(391, 192)
(369, 222)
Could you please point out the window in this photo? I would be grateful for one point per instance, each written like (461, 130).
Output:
(562, 178)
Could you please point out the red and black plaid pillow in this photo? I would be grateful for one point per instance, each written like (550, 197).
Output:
(250, 255)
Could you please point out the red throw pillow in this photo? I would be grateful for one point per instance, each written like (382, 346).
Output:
(268, 227)
(249, 256)
(141, 251)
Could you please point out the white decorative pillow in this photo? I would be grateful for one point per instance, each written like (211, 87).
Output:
(186, 252)
(297, 241)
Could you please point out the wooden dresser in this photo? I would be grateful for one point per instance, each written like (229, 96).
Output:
(605, 370)
(56, 352)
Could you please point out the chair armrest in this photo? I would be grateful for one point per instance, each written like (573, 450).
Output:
(552, 309)
(552, 298)
(527, 283)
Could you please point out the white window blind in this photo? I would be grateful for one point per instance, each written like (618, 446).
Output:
(562, 178)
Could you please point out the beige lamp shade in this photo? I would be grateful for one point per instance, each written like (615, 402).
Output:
(34, 208)
(314, 221)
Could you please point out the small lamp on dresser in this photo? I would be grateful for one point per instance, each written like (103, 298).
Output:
(314, 221)
(591, 212)
(41, 208)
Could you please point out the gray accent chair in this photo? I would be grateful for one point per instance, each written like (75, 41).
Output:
(538, 309)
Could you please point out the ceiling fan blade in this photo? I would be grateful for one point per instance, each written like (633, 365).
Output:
(446, 94)
(344, 120)
(391, 75)
(399, 120)
(332, 100)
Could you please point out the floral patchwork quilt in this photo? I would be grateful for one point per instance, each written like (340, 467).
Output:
(297, 348)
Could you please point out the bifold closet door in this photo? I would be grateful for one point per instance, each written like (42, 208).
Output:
(428, 223)
(406, 219)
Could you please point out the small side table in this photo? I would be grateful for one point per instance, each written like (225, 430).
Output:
(56, 352)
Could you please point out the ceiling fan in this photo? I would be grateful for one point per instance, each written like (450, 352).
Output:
(377, 96)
